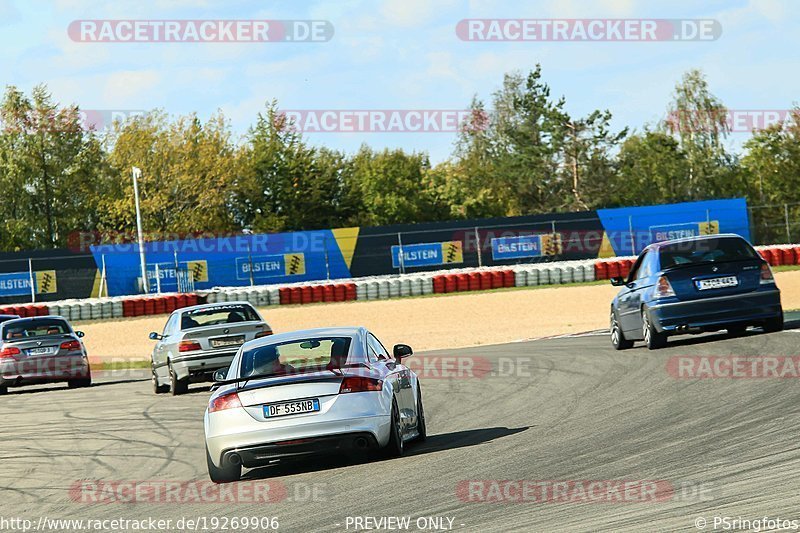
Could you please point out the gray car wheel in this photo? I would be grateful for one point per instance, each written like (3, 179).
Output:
(158, 389)
(177, 386)
(80, 383)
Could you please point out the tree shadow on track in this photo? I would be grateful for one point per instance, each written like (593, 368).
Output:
(433, 444)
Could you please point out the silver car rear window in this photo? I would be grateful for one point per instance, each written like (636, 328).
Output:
(296, 356)
(212, 316)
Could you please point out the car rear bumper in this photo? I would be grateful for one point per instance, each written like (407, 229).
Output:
(259, 455)
(748, 308)
(201, 365)
(338, 427)
(31, 373)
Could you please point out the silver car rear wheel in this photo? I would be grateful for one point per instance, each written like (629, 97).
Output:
(224, 474)
(177, 386)
(422, 427)
(395, 447)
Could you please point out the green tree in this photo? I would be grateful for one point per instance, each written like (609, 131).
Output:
(652, 169)
(188, 173)
(395, 187)
(48, 165)
(771, 170)
(699, 121)
(288, 185)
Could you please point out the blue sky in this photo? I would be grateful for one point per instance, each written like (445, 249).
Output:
(398, 54)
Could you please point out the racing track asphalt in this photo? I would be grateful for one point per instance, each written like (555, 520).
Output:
(561, 409)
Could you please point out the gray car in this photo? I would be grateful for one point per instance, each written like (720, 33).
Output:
(199, 340)
(42, 349)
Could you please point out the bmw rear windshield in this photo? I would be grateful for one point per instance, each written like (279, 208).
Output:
(37, 327)
(296, 356)
(217, 315)
(713, 250)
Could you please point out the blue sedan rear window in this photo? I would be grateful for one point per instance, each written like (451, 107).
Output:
(705, 251)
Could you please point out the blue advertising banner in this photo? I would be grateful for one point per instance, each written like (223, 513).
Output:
(15, 284)
(516, 247)
(19, 283)
(630, 229)
(667, 232)
(263, 267)
(428, 254)
(228, 261)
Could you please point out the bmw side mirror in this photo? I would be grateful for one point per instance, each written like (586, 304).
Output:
(402, 351)
(221, 374)
(155, 336)
(617, 281)
(79, 334)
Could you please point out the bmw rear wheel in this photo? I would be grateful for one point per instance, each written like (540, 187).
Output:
(177, 386)
(618, 340)
(3, 390)
(224, 474)
(652, 338)
(80, 383)
(774, 324)
(158, 389)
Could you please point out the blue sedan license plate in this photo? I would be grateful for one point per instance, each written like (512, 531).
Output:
(297, 407)
(717, 283)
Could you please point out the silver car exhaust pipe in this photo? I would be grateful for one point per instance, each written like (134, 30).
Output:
(235, 459)
(361, 443)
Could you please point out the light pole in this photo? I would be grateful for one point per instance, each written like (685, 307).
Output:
(137, 173)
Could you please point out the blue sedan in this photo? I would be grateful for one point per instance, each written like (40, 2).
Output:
(693, 285)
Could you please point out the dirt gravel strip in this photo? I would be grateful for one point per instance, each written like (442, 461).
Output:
(441, 322)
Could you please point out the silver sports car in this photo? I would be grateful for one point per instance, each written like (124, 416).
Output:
(199, 340)
(315, 391)
(42, 349)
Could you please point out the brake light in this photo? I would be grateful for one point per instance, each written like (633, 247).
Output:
(664, 288)
(265, 333)
(71, 346)
(766, 274)
(226, 401)
(360, 384)
(189, 346)
(9, 353)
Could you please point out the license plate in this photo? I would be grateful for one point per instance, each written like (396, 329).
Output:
(229, 341)
(717, 283)
(41, 351)
(273, 410)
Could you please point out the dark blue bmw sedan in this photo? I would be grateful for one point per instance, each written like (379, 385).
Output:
(694, 285)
